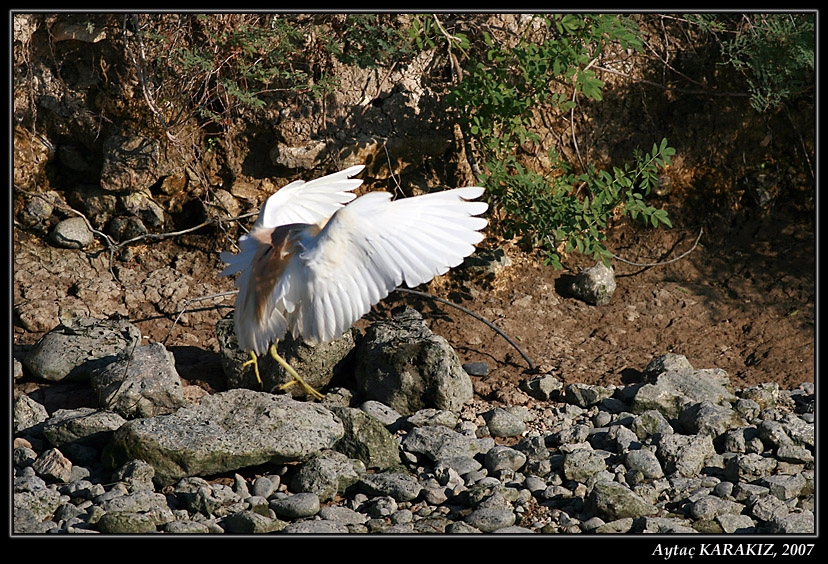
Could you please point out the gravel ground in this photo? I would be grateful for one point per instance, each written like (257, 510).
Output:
(681, 452)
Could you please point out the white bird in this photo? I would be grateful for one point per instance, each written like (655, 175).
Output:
(313, 265)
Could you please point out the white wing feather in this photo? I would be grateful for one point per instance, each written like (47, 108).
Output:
(297, 202)
(310, 202)
(365, 251)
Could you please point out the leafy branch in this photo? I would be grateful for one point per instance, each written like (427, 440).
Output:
(498, 101)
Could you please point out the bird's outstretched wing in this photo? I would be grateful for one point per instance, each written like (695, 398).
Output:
(297, 202)
(309, 202)
(366, 250)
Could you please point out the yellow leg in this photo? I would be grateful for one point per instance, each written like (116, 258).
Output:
(296, 378)
(255, 362)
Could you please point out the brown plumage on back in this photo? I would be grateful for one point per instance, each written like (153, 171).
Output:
(269, 263)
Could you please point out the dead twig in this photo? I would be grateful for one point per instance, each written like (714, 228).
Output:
(405, 290)
(572, 116)
(455, 64)
(187, 305)
(397, 186)
(681, 256)
(480, 318)
(114, 395)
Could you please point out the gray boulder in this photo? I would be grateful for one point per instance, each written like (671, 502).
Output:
(366, 439)
(32, 496)
(144, 385)
(399, 486)
(672, 391)
(328, 474)
(595, 285)
(72, 233)
(440, 442)
(665, 363)
(709, 507)
(501, 458)
(580, 465)
(749, 467)
(611, 501)
(542, 387)
(490, 519)
(649, 423)
(296, 506)
(684, 455)
(402, 364)
(802, 523)
(77, 346)
(83, 426)
(643, 466)
(28, 415)
(502, 423)
(584, 395)
(706, 418)
(225, 432)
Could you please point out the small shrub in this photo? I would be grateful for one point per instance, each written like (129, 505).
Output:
(774, 52)
(498, 99)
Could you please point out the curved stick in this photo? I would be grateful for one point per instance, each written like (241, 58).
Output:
(491, 325)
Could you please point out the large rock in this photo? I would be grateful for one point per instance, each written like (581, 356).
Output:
(40, 501)
(130, 163)
(76, 347)
(328, 474)
(402, 364)
(225, 432)
(28, 415)
(73, 233)
(367, 439)
(611, 501)
(595, 285)
(684, 454)
(802, 523)
(144, 385)
(706, 418)
(675, 389)
(82, 426)
(585, 395)
(440, 442)
(582, 464)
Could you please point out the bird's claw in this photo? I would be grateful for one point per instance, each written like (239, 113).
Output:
(255, 362)
(309, 390)
(305, 386)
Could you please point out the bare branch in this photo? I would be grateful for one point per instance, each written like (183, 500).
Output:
(681, 256)
(187, 305)
(455, 65)
(476, 316)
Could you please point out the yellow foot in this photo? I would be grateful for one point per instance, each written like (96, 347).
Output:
(309, 390)
(255, 362)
